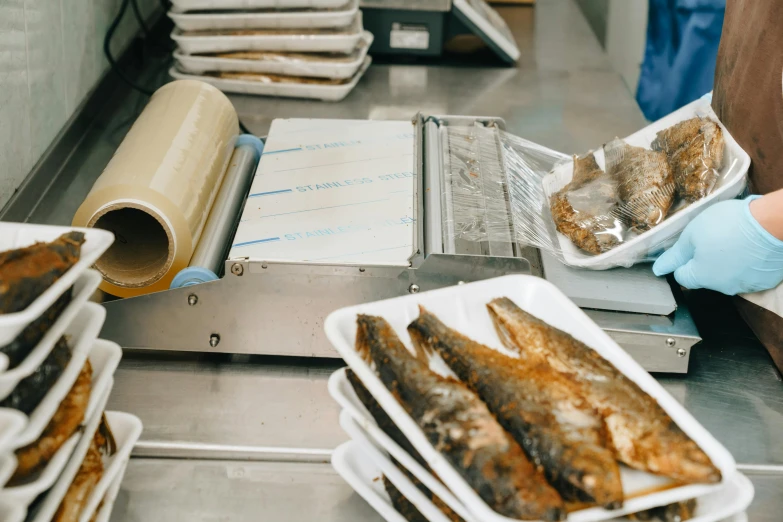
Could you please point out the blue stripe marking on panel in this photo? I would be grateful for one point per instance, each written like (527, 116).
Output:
(265, 153)
(269, 193)
(256, 241)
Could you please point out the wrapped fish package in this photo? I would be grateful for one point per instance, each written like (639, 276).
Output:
(621, 204)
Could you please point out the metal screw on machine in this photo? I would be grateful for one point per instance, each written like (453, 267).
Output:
(237, 269)
(414, 288)
(192, 299)
(681, 352)
(670, 342)
(214, 340)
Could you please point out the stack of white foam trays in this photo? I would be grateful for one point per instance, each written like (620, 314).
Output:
(80, 323)
(205, 30)
(368, 455)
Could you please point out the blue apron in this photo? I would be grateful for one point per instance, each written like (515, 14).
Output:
(680, 55)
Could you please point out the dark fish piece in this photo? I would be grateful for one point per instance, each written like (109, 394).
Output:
(677, 512)
(383, 420)
(540, 408)
(695, 151)
(31, 390)
(18, 349)
(586, 209)
(25, 273)
(386, 424)
(403, 506)
(460, 427)
(645, 182)
(642, 434)
(66, 420)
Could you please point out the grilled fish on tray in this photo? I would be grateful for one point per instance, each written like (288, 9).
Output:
(645, 180)
(542, 409)
(31, 390)
(695, 151)
(66, 420)
(460, 427)
(586, 209)
(642, 434)
(384, 422)
(25, 273)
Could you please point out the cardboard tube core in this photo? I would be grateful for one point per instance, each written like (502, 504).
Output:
(143, 248)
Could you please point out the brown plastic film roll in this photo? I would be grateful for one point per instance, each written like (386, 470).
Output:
(156, 192)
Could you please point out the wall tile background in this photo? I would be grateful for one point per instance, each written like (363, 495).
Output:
(51, 56)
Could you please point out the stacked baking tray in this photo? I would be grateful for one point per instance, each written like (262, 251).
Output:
(62, 456)
(391, 456)
(292, 48)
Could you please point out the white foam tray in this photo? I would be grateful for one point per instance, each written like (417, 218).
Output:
(74, 449)
(284, 90)
(303, 43)
(359, 466)
(342, 391)
(84, 287)
(12, 422)
(10, 512)
(82, 334)
(266, 19)
(19, 235)
(464, 307)
(202, 5)
(195, 64)
(111, 495)
(126, 429)
(731, 183)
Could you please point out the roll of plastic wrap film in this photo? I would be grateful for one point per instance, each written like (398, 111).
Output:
(156, 192)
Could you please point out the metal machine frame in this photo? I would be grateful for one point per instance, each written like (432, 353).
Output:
(277, 308)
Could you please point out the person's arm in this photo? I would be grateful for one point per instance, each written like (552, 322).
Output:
(733, 247)
(768, 211)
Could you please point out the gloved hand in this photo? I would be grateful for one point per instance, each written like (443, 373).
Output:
(725, 249)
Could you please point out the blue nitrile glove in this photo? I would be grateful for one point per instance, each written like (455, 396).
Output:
(725, 249)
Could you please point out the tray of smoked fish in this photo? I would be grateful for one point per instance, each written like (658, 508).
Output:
(38, 266)
(398, 495)
(523, 407)
(668, 172)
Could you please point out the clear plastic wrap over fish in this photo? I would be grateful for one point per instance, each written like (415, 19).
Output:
(622, 204)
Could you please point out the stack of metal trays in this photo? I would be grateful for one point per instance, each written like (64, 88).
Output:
(292, 48)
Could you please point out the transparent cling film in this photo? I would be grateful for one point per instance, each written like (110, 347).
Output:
(619, 205)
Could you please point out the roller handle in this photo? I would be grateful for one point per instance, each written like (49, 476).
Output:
(210, 253)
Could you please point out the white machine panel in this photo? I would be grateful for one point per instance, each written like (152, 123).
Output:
(332, 191)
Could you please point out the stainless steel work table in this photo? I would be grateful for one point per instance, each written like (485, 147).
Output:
(249, 437)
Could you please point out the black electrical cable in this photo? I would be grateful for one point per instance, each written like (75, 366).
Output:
(107, 50)
(113, 63)
(140, 18)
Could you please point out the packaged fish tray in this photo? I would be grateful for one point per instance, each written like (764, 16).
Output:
(312, 65)
(362, 462)
(304, 19)
(533, 305)
(230, 5)
(40, 395)
(125, 429)
(327, 40)
(25, 491)
(628, 200)
(29, 355)
(73, 261)
(282, 86)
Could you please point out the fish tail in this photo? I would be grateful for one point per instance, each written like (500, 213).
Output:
(498, 311)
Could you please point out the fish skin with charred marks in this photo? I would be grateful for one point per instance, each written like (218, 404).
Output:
(642, 435)
(539, 407)
(460, 427)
